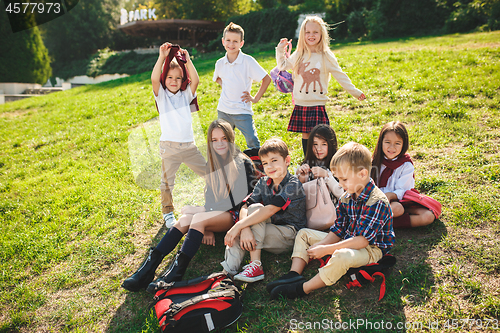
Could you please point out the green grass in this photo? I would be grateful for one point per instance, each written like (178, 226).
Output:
(77, 218)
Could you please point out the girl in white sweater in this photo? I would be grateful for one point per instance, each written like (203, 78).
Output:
(393, 172)
(311, 64)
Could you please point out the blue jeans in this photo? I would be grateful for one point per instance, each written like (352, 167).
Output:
(243, 122)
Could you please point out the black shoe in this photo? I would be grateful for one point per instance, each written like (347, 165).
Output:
(291, 291)
(290, 277)
(174, 273)
(146, 273)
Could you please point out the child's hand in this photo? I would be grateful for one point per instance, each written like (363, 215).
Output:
(246, 97)
(318, 251)
(319, 172)
(185, 53)
(165, 49)
(231, 235)
(283, 42)
(362, 97)
(208, 238)
(247, 240)
(304, 169)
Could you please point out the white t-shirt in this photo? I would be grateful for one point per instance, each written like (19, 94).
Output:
(236, 78)
(175, 115)
(400, 181)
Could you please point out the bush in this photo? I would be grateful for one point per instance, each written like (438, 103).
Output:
(24, 57)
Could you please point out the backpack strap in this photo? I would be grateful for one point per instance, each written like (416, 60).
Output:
(371, 278)
(175, 308)
(184, 283)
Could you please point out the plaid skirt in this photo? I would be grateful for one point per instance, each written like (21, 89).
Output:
(304, 118)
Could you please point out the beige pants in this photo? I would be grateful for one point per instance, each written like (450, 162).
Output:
(173, 154)
(341, 260)
(268, 236)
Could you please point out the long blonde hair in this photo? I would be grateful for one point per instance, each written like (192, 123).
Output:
(323, 45)
(221, 169)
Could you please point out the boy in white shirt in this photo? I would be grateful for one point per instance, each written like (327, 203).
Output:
(177, 138)
(235, 73)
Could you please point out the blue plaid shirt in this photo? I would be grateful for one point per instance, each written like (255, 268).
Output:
(368, 215)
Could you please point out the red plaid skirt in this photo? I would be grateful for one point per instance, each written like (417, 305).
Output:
(304, 118)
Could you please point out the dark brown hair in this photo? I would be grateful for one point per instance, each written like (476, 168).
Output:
(274, 145)
(378, 154)
(326, 133)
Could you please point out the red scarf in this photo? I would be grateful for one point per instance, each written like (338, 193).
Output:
(390, 166)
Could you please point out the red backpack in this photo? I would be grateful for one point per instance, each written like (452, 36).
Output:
(198, 305)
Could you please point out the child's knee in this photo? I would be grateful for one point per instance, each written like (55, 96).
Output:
(397, 209)
(429, 217)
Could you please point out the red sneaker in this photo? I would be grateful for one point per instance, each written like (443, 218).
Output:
(251, 273)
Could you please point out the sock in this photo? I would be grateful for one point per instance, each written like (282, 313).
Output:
(402, 222)
(304, 146)
(169, 241)
(192, 242)
(289, 275)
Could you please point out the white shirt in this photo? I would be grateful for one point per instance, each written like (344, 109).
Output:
(400, 181)
(236, 78)
(175, 115)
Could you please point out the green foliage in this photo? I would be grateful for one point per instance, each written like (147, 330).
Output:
(468, 15)
(267, 25)
(82, 31)
(374, 19)
(212, 10)
(24, 57)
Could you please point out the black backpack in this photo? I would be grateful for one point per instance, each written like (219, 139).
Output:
(253, 154)
(366, 274)
(198, 305)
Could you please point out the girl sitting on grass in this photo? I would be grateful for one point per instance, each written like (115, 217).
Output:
(393, 172)
(321, 147)
(229, 179)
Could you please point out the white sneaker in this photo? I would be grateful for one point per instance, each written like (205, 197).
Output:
(169, 220)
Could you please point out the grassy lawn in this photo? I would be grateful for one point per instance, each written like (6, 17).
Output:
(79, 208)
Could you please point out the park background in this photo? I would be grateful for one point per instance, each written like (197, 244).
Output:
(76, 221)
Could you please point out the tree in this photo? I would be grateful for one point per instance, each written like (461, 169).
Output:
(23, 57)
(82, 31)
(211, 10)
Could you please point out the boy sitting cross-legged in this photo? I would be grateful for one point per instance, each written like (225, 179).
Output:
(361, 235)
(270, 217)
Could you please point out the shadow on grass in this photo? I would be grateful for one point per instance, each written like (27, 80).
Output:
(136, 313)
(409, 282)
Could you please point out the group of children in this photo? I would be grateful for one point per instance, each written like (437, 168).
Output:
(270, 212)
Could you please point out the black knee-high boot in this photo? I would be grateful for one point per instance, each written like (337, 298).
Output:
(174, 273)
(146, 273)
(178, 267)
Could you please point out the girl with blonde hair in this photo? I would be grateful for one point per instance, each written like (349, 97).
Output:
(311, 65)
